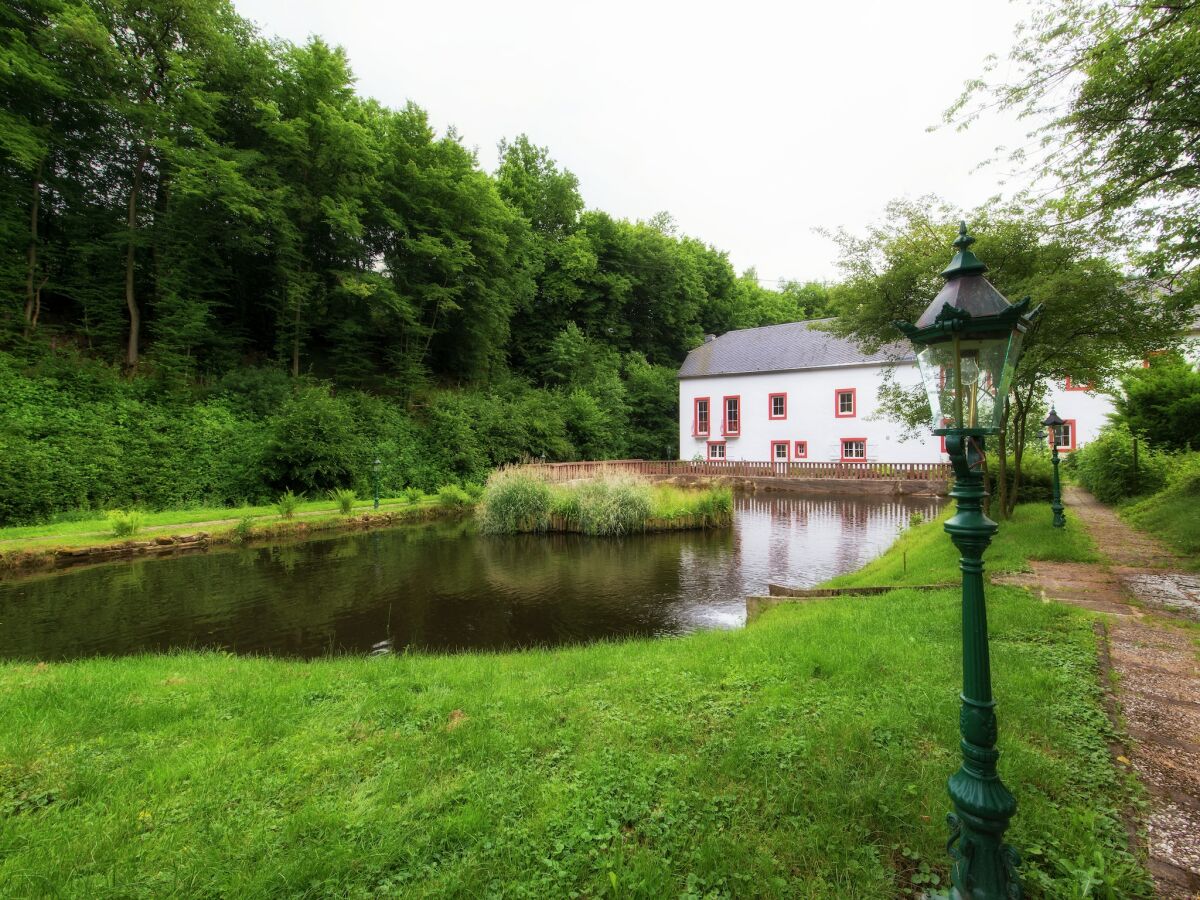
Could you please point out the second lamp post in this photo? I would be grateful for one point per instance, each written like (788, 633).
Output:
(1053, 423)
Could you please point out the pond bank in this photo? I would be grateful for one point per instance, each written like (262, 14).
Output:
(779, 759)
(39, 552)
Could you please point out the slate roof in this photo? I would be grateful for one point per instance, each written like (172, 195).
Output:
(783, 348)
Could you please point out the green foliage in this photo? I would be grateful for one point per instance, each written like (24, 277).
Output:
(125, 523)
(1173, 513)
(1161, 403)
(1116, 94)
(1094, 320)
(345, 499)
(412, 494)
(515, 501)
(1105, 466)
(451, 495)
(287, 503)
(243, 530)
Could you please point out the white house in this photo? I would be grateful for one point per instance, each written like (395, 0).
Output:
(795, 392)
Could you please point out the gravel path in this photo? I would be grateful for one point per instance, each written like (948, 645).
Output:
(1158, 664)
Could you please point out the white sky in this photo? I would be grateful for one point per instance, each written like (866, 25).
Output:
(751, 123)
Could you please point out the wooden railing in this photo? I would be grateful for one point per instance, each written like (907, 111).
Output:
(570, 471)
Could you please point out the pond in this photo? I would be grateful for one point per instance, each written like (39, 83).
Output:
(443, 587)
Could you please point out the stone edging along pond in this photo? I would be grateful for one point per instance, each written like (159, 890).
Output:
(27, 559)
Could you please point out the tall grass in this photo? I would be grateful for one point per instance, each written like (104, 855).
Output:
(288, 503)
(125, 523)
(344, 498)
(517, 501)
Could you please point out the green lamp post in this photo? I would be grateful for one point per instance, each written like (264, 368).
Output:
(967, 342)
(1053, 423)
(375, 479)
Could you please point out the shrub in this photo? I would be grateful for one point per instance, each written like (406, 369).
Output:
(315, 444)
(243, 530)
(451, 495)
(515, 501)
(287, 504)
(915, 519)
(474, 490)
(345, 499)
(1037, 476)
(125, 523)
(1105, 466)
(413, 494)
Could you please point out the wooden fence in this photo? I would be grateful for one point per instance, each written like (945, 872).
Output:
(570, 471)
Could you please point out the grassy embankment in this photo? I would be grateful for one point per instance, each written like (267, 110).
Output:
(804, 756)
(26, 544)
(1173, 513)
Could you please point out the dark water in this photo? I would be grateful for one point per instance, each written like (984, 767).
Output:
(443, 587)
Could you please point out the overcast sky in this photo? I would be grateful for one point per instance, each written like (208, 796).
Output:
(751, 123)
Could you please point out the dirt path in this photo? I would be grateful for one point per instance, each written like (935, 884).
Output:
(1158, 668)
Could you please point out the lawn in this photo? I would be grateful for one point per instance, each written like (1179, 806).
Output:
(803, 756)
(1173, 515)
(97, 528)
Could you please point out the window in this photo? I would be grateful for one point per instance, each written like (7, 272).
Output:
(945, 424)
(779, 451)
(716, 449)
(1064, 435)
(854, 449)
(700, 416)
(801, 450)
(845, 403)
(733, 416)
(1076, 386)
(777, 406)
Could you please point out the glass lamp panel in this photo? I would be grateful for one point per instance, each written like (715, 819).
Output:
(981, 367)
(936, 362)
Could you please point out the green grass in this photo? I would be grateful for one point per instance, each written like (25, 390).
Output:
(1173, 513)
(805, 756)
(923, 554)
(98, 530)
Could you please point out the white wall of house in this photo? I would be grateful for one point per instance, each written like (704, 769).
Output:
(810, 397)
(810, 401)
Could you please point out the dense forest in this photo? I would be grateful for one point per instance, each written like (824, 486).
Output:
(226, 273)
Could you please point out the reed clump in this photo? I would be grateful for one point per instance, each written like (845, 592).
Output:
(517, 501)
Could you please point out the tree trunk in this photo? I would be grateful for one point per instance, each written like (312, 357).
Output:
(33, 295)
(135, 313)
(1019, 431)
(1002, 463)
(296, 343)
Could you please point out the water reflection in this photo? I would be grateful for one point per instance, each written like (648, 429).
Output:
(442, 587)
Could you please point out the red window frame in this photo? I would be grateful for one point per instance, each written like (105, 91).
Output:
(725, 429)
(771, 406)
(842, 449)
(1072, 386)
(1066, 448)
(721, 444)
(696, 416)
(945, 422)
(837, 403)
(801, 450)
(787, 451)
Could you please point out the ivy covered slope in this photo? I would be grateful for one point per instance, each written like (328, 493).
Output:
(806, 755)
